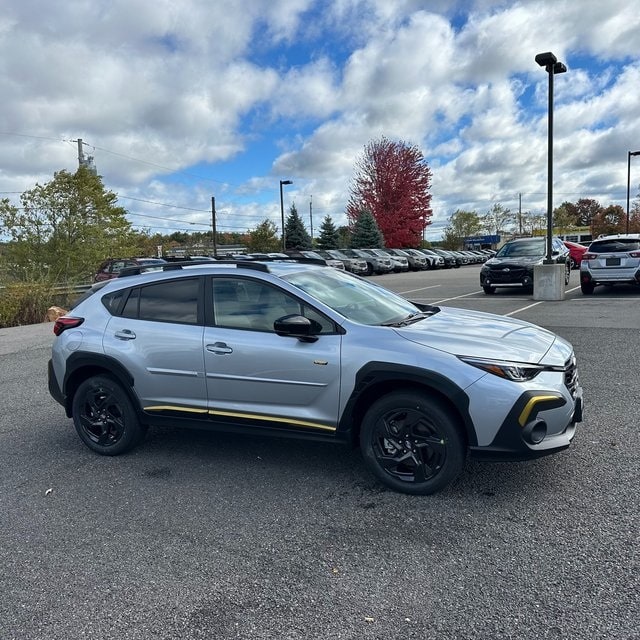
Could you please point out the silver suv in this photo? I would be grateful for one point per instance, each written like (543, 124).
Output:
(610, 260)
(304, 350)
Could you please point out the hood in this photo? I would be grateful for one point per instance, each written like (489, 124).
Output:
(483, 335)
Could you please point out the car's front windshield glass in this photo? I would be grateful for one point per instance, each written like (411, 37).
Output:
(530, 248)
(358, 300)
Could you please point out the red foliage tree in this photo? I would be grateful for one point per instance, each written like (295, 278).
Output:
(392, 180)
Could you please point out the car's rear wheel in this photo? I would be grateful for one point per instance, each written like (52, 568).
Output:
(489, 290)
(586, 288)
(412, 443)
(104, 417)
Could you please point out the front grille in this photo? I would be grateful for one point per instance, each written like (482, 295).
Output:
(507, 274)
(571, 376)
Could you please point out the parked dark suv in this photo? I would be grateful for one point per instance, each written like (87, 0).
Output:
(513, 265)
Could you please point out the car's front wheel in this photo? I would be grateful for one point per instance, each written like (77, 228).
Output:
(104, 417)
(412, 443)
(489, 290)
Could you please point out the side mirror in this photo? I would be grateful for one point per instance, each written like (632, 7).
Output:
(297, 326)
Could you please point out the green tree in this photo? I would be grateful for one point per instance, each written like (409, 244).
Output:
(344, 237)
(498, 219)
(65, 228)
(329, 237)
(462, 224)
(263, 238)
(366, 234)
(296, 236)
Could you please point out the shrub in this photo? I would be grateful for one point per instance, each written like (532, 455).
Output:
(24, 303)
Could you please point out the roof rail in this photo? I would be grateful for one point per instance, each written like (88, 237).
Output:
(256, 265)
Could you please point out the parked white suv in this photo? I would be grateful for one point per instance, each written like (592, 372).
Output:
(610, 260)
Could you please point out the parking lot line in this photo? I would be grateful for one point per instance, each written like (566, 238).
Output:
(432, 286)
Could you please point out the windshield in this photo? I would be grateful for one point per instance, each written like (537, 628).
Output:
(355, 299)
(527, 248)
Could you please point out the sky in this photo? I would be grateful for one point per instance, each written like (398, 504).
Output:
(182, 101)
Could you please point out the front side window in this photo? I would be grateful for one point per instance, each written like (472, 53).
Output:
(240, 303)
(173, 301)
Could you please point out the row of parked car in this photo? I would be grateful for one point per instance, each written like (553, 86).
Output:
(358, 261)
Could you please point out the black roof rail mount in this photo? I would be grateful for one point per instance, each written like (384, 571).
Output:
(256, 265)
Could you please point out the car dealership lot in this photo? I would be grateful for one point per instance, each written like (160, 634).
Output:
(198, 535)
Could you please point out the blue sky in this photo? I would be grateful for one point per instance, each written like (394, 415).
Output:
(178, 102)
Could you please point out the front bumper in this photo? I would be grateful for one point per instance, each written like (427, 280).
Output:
(523, 436)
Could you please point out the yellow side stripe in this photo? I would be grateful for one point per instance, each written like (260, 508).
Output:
(528, 408)
(235, 414)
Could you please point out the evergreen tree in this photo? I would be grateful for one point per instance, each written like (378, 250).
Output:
(366, 234)
(328, 238)
(296, 236)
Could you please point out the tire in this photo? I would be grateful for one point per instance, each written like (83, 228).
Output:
(411, 443)
(586, 288)
(489, 290)
(104, 417)
(369, 269)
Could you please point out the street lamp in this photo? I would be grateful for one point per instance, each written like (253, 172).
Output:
(282, 212)
(629, 154)
(552, 66)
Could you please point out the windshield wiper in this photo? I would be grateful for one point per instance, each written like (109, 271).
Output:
(411, 318)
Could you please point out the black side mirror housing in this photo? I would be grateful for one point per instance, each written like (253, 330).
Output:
(297, 326)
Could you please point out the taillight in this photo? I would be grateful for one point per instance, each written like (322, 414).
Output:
(66, 322)
(589, 256)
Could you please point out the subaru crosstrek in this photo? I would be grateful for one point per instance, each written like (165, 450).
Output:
(304, 350)
(611, 260)
(513, 265)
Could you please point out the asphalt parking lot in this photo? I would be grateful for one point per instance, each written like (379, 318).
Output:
(197, 535)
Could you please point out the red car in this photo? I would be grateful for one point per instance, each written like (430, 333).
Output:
(111, 268)
(576, 251)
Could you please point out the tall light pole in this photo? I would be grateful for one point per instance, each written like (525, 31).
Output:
(629, 154)
(282, 212)
(552, 66)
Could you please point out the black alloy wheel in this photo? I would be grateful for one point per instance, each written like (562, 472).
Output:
(489, 290)
(412, 443)
(104, 417)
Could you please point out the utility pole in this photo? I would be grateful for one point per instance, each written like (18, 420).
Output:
(80, 153)
(213, 226)
(520, 212)
(82, 161)
(311, 218)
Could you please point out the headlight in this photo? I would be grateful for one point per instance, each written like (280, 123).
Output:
(516, 371)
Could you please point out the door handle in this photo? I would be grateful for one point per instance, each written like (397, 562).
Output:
(219, 348)
(125, 334)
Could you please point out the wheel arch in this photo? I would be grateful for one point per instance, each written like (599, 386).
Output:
(81, 366)
(379, 379)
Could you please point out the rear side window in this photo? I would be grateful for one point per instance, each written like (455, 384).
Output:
(615, 245)
(174, 301)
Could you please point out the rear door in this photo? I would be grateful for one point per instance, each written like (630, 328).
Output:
(158, 338)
